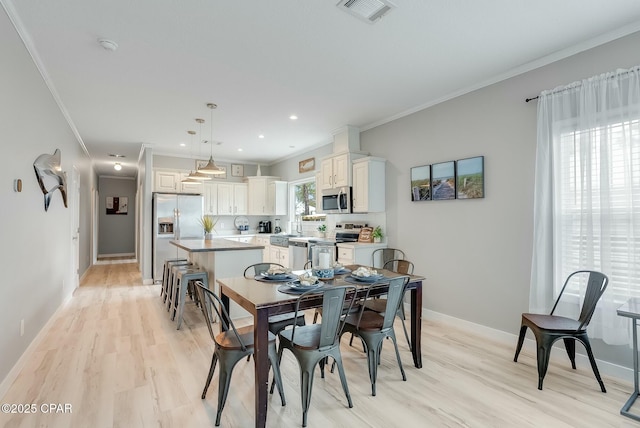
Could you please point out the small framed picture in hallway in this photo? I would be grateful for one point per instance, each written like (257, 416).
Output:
(117, 205)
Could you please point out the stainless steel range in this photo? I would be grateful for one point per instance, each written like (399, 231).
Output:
(345, 232)
(279, 240)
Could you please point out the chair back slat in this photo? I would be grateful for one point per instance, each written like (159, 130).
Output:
(394, 299)
(400, 266)
(208, 299)
(384, 255)
(336, 301)
(596, 285)
(259, 268)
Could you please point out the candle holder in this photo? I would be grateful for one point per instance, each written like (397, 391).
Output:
(322, 260)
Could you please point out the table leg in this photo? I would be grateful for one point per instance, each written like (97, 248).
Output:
(416, 324)
(261, 361)
(627, 406)
(225, 302)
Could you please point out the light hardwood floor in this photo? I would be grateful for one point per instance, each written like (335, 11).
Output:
(117, 359)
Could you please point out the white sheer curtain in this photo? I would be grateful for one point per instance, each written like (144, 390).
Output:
(587, 196)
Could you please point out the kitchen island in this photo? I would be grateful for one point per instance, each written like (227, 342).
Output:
(222, 258)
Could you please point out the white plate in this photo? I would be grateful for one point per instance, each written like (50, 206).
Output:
(296, 284)
(372, 278)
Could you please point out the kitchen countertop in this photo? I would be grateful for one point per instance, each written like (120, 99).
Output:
(216, 244)
(362, 244)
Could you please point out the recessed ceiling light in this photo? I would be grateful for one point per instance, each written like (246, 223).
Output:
(182, 144)
(117, 166)
(293, 117)
(260, 136)
(239, 150)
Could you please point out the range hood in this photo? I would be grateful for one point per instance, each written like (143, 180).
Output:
(346, 139)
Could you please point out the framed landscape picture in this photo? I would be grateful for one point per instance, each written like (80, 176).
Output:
(421, 183)
(470, 178)
(443, 180)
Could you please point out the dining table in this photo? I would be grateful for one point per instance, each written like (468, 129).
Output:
(263, 299)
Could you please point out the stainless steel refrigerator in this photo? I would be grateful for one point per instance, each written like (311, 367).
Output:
(175, 216)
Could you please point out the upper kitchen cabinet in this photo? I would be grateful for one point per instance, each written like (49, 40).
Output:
(336, 171)
(368, 185)
(167, 181)
(210, 193)
(267, 196)
(189, 187)
(232, 198)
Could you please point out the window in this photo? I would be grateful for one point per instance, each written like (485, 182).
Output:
(303, 200)
(599, 171)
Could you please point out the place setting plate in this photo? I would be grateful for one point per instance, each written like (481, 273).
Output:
(341, 271)
(278, 277)
(364, 279)
(294, 287)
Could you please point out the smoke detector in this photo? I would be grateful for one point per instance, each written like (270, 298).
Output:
(108, 45)
(367, 10)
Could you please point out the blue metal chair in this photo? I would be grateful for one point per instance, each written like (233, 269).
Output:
(372, 328)
(231, 345)
(312, 344)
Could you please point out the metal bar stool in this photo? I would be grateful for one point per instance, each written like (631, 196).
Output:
(183, 279)
(166, 273)
(171, 283)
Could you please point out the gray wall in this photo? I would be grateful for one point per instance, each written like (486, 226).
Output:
(116, 233)
(36, 253)
(476, 254)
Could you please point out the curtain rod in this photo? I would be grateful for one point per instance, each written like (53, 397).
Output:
(636, 69)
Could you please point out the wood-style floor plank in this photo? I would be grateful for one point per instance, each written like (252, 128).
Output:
(115, 356)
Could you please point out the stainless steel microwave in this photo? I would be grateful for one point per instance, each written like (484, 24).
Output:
(337, 201)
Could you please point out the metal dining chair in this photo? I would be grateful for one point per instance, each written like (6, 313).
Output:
(379, 305)
(231, 345)
(278, 322)
(549, 328)
(312, 344)
(382, 255)
(373, 328)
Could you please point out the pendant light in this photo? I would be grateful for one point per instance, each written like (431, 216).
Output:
(211, 167)
(197, 175)
(190, 178)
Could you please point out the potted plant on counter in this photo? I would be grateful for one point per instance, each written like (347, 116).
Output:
(208, 223)
(323, 230)
(377, 234)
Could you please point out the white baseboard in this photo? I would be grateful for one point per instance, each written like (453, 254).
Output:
(117, 255)
(19, 365)
(148, 281)
(605, 367)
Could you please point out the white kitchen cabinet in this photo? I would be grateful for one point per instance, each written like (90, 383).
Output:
(357, 253)
(266, 252)
(189, 187)
(368, 185)
(336, 171)
(167, 181)
(210, 193)
(232, 199)
(279, 255)
(267, 196)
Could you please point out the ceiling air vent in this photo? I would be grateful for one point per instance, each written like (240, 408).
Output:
(367, 10)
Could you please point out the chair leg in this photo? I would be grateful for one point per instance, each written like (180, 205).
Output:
(523, 332)
(224, 380)
(306, 385)
(277, 376)
(337, 360)
(372, 361)
(395, 344)
(592, 360)
(570, 346)
(212, 369)
(406, 333)
(544, 350)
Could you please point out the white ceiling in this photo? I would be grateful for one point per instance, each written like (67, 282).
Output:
(261, 61)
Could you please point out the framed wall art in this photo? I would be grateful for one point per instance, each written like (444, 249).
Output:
(443, 180)
(470, 178)
(117, 205)
(237, 170)
(307, 165)
(421, 183)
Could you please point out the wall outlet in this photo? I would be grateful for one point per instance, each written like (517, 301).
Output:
(221, 225)
(21, 327)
